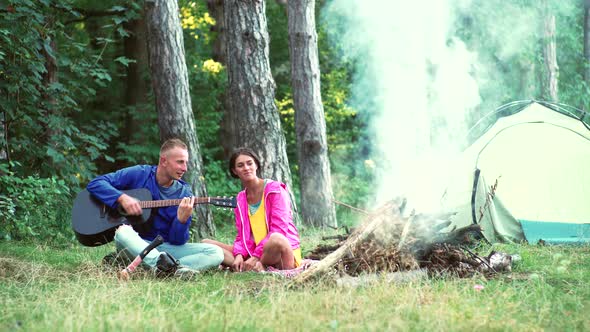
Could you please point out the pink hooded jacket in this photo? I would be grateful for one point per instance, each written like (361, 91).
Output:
(279, 219)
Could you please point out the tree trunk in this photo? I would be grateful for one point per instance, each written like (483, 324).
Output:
(317, 208)
(136, 85)
(226, 132)
(215, 8)
(253, 114)
(551, 70)
(587, 42)
(170, 82)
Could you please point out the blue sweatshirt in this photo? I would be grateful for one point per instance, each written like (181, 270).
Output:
(109, 187)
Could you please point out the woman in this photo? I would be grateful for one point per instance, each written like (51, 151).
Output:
(266, 234)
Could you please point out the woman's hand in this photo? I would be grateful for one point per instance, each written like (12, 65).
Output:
(253, 264)
(238, 263)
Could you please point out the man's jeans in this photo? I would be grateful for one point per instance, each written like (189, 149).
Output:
(197, 256)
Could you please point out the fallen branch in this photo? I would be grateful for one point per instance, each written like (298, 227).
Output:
(374, 221)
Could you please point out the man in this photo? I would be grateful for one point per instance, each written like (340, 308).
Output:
(172, 223)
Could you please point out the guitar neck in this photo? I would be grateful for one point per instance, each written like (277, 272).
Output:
(171, 202)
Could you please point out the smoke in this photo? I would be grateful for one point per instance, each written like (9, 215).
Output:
(419, 76)
(419, 82)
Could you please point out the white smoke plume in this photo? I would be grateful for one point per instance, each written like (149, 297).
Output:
(420, 75)
(420, 83)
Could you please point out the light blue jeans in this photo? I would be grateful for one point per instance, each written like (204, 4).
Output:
(197, 256)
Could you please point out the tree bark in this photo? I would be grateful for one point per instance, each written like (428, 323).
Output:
(253, 115)
(216, 9)
(169, 75)
(317, 208)
(226, 131)
(551, 70)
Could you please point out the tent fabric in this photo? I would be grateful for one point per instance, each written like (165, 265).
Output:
(555, 232)
(526, 174)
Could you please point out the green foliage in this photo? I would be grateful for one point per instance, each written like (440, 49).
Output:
(76, 127)
(279, 56)
(573, 90)
(507, 38)
(347, 129)
(143, 146)
(34, 208)
(208, 80)
(351, 184)
(286, 111)
(43, 134)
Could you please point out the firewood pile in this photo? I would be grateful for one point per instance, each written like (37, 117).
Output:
(389, 240)
(460, 261)
(371, 256)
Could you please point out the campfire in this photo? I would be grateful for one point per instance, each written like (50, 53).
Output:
(391, 240)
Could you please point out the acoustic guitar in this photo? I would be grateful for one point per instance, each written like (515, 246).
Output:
(94, 223)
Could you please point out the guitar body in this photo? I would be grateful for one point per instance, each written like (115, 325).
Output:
(95, 223)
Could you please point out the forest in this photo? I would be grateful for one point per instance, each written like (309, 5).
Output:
(335, 95)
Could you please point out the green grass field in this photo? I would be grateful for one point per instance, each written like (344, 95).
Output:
(67, 289)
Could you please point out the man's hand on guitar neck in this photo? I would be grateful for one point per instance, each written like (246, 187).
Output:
(185, 209)
(130, 205)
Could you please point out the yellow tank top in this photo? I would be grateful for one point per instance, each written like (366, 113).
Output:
(259, 230)
(258, 223)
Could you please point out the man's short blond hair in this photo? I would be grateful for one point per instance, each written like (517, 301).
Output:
(172, 143)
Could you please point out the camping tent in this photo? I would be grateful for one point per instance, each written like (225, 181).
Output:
(527, 177)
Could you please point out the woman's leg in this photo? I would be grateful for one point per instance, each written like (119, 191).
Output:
(278, 252)
(228, 250)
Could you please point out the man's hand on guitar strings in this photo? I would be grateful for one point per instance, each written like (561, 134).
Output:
(185, 209)
(130, 205)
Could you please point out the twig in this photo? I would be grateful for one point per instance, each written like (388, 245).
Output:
(478, 258)
(489, 198)
(405, 232)
(351, 207)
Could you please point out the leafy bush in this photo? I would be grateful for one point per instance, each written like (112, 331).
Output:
(47, 75)
(34, 208)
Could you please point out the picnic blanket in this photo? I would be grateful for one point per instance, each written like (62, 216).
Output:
(305, 264)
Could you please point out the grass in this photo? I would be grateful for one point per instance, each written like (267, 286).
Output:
(66, 289)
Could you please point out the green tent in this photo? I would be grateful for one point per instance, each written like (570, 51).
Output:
(527, 177)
